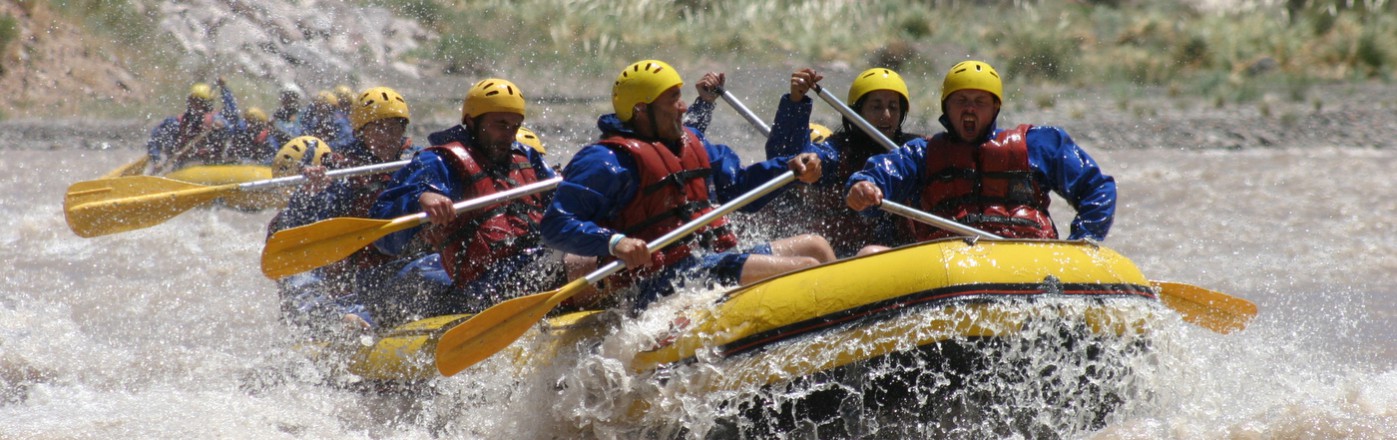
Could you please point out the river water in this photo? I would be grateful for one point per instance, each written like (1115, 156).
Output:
(170, 331)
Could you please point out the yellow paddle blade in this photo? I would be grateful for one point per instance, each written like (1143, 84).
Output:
(108, 206)
(492, 330)
(295, 250)
(1212, 310)
(404, 353)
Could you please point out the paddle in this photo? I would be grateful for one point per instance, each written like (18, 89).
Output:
(1212, 310)
(745, 112)
(1209, 309)
(295, 250)
(495, 328)
(1205, 308)
(133, 168)
(108, 206)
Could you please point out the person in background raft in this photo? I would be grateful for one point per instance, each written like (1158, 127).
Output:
(487, 255)
(989, 178)
(530, 139)
(344, 97)
(287, 117)
(322, 119)
(258, 143)
(878, 95)
(380, 117)
(306, 298)
(197, 135)
(647, 175)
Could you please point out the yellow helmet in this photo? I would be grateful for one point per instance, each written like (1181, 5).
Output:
(376, 104)
(819, 133)
(528, 137)
(642, 82)
(326, 97)
(877, 78)
(492, 95)
(343, 94)
(255, 114)
(972, 75)
(202, 92)
(293, 155)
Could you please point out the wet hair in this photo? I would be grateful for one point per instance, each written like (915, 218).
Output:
(851, 135)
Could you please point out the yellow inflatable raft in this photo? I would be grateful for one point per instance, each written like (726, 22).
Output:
(946, 289)
(213, 175)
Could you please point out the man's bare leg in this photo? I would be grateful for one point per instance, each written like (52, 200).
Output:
(759, 267)
(806, 245)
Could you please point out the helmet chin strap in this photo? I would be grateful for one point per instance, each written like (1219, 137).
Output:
(654, 125)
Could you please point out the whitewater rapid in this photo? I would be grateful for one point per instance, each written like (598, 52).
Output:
(172, 332)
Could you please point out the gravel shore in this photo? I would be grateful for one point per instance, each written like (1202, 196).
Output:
(1347, 116)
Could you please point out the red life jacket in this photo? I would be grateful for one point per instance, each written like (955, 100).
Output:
(673, 190)
(989, 186)
(473, 242)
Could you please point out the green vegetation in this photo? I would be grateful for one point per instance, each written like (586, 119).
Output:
(1075, 43)
(1231, 56)
(9, 29)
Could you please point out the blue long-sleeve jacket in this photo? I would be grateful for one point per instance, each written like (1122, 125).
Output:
(429, 172)
(1058, 165)
(327, 124)
(790, 134)
(230, 113)
(598, 183)
(699, 115)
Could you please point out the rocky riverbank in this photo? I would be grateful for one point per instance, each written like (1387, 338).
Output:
(1349, 116)
(53, 68)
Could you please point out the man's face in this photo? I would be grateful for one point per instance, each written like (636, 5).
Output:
(668, 112)
(290, 100)
(971, 112)
(883, 109)
(199, 106)
(384, 137)
(494, 133)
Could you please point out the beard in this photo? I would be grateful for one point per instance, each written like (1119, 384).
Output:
(495, 150)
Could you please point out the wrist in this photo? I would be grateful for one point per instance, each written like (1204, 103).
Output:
(611, 244)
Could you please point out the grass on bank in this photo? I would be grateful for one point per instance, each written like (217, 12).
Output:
(1228, 56)
(1143, 42)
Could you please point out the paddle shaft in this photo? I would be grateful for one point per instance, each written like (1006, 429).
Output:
(307, 247)
(745, 112)
(691, 226)
(336, 174)
(849, 114)
(497, 327)
(932, 219)
(727, 208)
(412, 220)
(888, 205)
(1215, 311)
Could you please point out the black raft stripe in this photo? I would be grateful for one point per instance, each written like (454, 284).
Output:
(972, 293)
